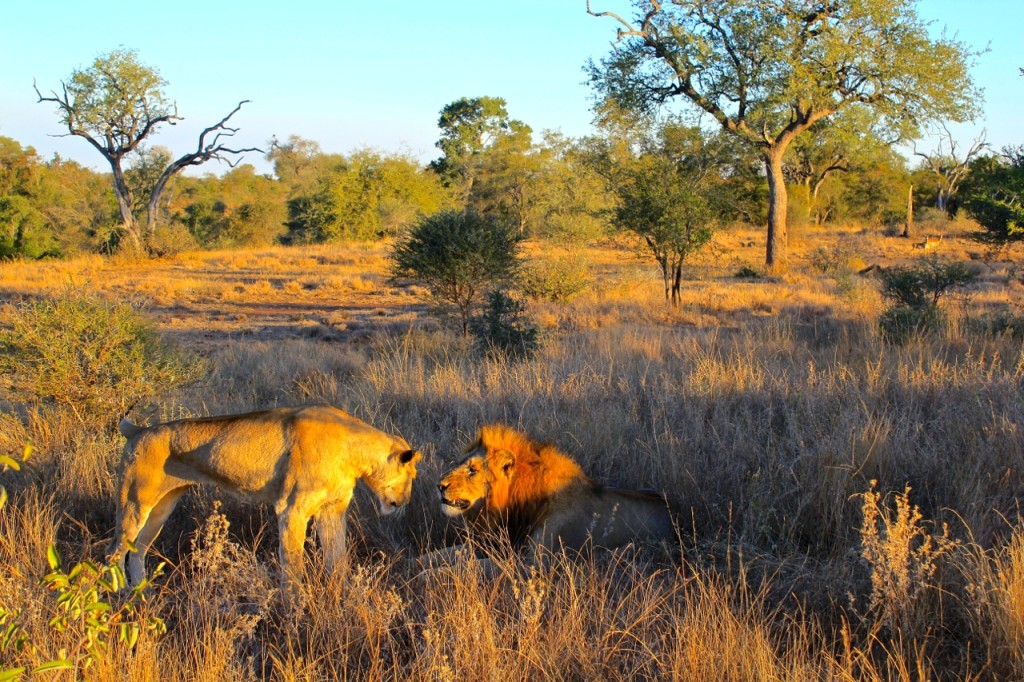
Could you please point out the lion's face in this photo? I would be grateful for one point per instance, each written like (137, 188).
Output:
(466, 486)
(393, 485)
(471, 483)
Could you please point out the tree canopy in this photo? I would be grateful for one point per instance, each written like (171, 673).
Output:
(768, 70)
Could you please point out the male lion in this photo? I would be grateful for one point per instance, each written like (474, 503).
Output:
(302, 460)
(510, 483)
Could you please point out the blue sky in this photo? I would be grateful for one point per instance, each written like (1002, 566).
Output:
(351, 74)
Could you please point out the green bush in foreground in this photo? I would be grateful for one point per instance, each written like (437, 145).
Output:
(88, 619)
(93, 356)
(459, 255)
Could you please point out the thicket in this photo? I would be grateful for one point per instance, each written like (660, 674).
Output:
(91, 356)
(915, 292)
(460, 255)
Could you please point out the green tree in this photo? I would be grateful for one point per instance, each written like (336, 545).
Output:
(47, 209)
(768, 70)
(488, 159)
(116, 105)
(365, 195)
(994, 196)
(846, 144)
(664, 198)
(299, 163)
(241, 208)
(572, 200)
(459, 255)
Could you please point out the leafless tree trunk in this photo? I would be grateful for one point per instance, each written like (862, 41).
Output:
(908, 227)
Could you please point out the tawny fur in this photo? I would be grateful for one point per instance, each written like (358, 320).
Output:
(304, 461)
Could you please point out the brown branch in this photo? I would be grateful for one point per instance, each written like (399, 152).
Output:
(629, 30)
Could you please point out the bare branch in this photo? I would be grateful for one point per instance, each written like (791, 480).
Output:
(629, 29)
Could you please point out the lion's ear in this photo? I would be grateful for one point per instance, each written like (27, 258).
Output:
(409, 456)
(504, 460)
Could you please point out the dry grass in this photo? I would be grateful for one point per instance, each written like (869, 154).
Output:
(764, 408)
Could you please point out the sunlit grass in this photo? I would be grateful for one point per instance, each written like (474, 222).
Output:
(763, 408)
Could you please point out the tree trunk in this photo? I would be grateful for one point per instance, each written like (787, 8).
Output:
(908, 227)
(153, 207)
(775, 256)
(124, 204)
(677, 280)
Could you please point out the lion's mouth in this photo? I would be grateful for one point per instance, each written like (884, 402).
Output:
(461, 505)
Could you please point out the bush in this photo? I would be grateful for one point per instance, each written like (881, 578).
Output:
(747, 272)
(915, 292)
(458, 255)
(504, 328)
(93, 356)
(555, 280)
(90, 617)
(899, 324)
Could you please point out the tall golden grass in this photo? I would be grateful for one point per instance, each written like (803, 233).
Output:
(765, 410)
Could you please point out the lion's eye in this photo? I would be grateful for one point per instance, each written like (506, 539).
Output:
(472, 471)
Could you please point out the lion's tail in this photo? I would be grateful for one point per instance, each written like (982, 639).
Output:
(128, 429)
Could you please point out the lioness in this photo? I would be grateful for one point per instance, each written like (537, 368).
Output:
(302, 460)
(510, 483)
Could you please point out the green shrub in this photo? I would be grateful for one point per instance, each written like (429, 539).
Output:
(747, 272)
(504, 328)
(93, 356)
(899, 324)
(915, 292)
(459, 255)
(556, 280)
(88, 619)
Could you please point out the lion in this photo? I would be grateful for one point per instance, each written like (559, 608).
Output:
(304, 461)
(509, 484)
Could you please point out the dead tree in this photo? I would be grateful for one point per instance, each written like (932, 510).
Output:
(115, 105)
(948, 167)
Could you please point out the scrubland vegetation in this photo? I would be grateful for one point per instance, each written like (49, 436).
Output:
(831, 403)
(849, 507)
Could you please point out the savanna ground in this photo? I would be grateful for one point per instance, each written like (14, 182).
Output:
(765, 408)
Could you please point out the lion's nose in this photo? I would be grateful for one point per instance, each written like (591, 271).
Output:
(441, 487)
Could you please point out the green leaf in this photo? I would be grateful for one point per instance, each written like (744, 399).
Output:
(52, 558)
(60, 664)
(129, 634)
(9, 463)
(12, 674)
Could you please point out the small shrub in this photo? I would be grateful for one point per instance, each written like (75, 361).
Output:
(458, 255)
(902, 557)
(555, 280)
(747, 272)
(899, 324)
(915, 292)
(88, 619)
(826, 260)
(93, 356)
(504, 327)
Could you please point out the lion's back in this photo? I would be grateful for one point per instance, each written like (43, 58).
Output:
(605, 517)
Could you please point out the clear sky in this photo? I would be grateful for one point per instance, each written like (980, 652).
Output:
(376, 73)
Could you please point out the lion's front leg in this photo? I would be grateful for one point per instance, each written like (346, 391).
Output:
(331, 530)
